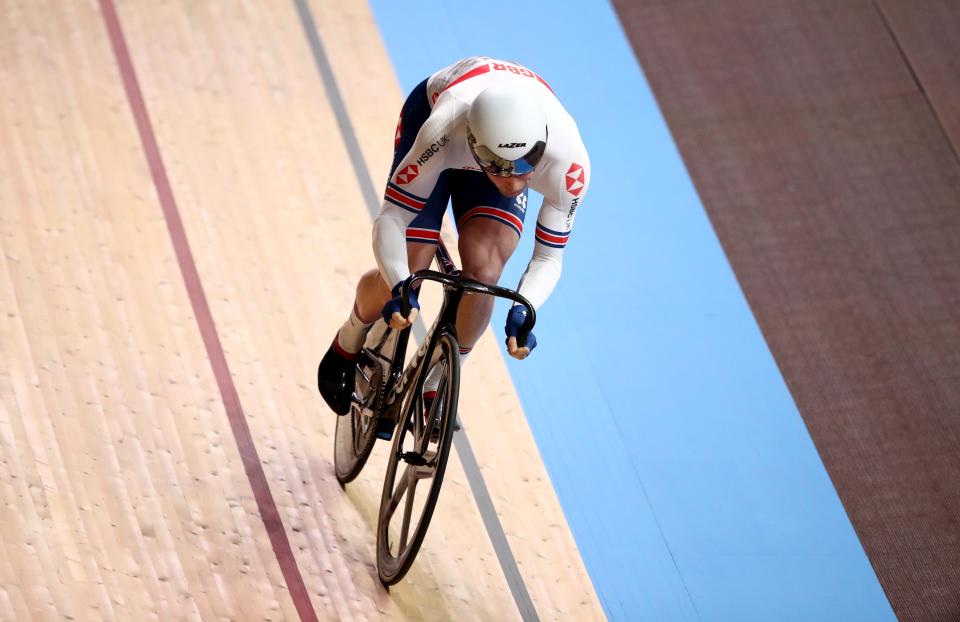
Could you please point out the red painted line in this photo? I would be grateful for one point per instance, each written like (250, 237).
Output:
(201, 310)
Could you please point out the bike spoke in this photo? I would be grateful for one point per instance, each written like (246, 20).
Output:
(363, 374)
(432, 418)
(398, 493)
(442, 387)
(407, 511)
(418, 420)
(357, 433)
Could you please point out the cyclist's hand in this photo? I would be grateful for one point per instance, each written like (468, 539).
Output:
(515, 319)
(392, 310)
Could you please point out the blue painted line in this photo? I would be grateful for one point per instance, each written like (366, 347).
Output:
(684, 469)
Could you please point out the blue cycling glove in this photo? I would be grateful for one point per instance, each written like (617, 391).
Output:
(394, 304)
(515, 319)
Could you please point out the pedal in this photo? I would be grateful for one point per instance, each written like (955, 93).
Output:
(413, 458)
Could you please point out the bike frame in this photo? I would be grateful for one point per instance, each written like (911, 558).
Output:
(455, 286)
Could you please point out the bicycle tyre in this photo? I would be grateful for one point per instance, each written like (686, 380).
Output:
(391, 569)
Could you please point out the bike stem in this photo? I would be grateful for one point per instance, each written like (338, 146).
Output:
(455, 286)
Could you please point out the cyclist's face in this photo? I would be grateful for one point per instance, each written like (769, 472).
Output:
(510, 186)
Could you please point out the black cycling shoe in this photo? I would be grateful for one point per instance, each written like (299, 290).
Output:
(336, 377)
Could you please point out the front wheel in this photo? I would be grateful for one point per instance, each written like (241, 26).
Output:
(421, 446)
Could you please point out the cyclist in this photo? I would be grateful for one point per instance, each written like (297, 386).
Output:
(477, 134)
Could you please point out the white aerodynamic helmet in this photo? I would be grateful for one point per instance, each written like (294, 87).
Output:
(506, 130)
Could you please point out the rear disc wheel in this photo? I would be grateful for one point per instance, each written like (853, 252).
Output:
(357, 430)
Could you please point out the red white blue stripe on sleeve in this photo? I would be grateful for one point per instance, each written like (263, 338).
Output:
(496, 214)
(404, 199)
(424, 236)
(549, 237)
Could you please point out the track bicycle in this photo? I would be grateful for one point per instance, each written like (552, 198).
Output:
(388, 403)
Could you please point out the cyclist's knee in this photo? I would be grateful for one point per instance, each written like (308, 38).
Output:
(373, 281)
(372, 289)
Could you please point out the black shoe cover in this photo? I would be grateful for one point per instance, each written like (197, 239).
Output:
(335, 379)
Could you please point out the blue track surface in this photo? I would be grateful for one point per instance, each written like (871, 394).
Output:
(684, 469)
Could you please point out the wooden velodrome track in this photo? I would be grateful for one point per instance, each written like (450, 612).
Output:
(128, 487)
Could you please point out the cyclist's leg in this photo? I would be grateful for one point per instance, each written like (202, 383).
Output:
(485, 246)
(373, 292)
(490, 226)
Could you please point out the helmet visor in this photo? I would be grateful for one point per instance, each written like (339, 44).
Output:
(493, 164)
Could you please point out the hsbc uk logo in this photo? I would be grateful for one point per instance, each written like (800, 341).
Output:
(432, 150)
(408, 174)
(575, 179)
(570, 212)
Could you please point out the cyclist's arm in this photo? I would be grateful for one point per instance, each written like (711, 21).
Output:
(543, 271)
(407, 192)
(554, 224)
(390, 243)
